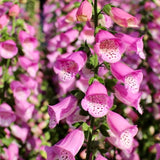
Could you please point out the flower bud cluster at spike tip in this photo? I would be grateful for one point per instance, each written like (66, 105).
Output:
(122, 18)
(14, 11)
(84, 12)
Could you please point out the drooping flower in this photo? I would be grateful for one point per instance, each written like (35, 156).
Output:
(122, 18)
(84, 12)
(61, 110)
(8, 49)
(131, 78)
(96, 101)
(108, 47)
(14, 10)
(67, 148)
(121, 131)
(7, 116)
(3, 21)
(127, 97)
(133, 43)
(68, 67)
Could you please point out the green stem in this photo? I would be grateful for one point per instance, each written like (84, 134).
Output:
(90, 132)
(13, 25)
(95, 14)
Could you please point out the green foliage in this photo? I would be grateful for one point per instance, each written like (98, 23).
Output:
(107, 8)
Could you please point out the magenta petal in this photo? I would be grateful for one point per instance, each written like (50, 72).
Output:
(97, 102)
(128, 98)
(66, 148)
(61, 110)
(8, 49)
(100, 157)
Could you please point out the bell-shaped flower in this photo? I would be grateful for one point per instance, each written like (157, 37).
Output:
(68, 67)
(20, 132)
(67, 148)
(131, 78)
(3, 21)
(14, 10)
(8, 49)
(127, 97)
(7, 116)
(121, 131)
(96, 101)
(71, 16)
(76, 117)
(108, 47)
(132, 43)
(87, 34)
(61, 110)
(20, 92)
(84, 12)
(122, 18)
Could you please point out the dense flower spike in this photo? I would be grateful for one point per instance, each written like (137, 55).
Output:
(84, 12)
(121, 132)
(122, 18)
(68, 67)
(66, 148)
(96, 101)
(61, 110)
(108, 47)
(127, 97)
(131, 78)
(8, 49)
(7, 116)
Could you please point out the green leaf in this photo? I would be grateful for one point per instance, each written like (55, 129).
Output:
(6, 141)
(93, 60)
(91, 80)
(85, 126)
(113, 107)
(101, 80)
(107, 8)
(47, 136)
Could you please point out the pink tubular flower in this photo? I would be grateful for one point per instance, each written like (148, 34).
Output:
(67, 148)
(3, 21)
(108, 47)
(122, 18)
(20, 132)
(20, 92)
(131, 78)
(61, 110)
(7, 116)
(8, 49)
(132, 44)
(96, 101)
(68, 67)
(121, 132)
(84, 12)
(14, 11)
(127, 97)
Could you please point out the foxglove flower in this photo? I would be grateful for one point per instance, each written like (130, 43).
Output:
(132, 44)
(14, 10)
(121, 132)
(3, 21)
(8, 49)
(96, 101)
(20, 92)
(7, 116)
(122, 18)
(108, 47)
(68, 67)
(127, 97)
(76, 117)
(131, 78)
(84, 12)
(61, 110)
(67, 148)
(20, 132)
